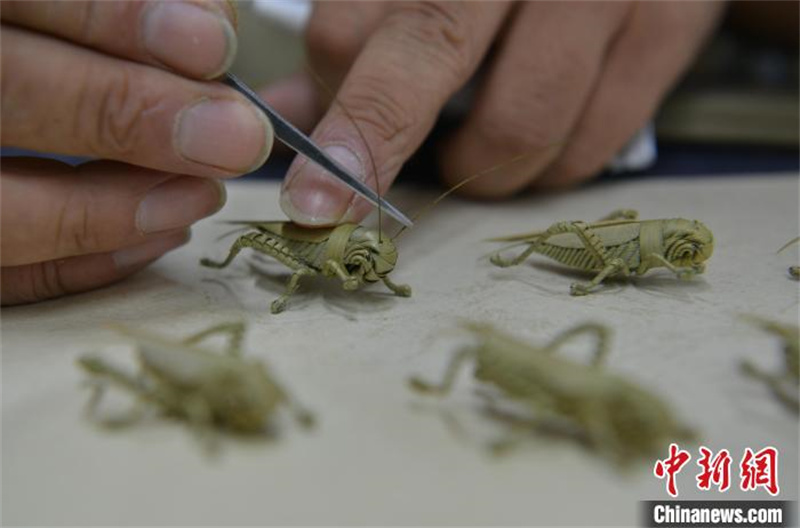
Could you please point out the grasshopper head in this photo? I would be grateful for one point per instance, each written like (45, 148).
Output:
(371, 256)
(687, 243)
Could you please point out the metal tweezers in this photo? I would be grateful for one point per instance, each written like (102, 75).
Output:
(299, 142)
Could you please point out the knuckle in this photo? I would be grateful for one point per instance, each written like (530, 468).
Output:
(32, 283)
(48, 280)
(333, 40)
(519, 119)
(536, 113)
(100, 23)
(441, 30)
(572, 170)
(110, 115)
(385, 112)
(506, 129)
(74, 228)
(86, 23)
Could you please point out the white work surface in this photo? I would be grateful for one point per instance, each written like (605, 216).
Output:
(381, 454)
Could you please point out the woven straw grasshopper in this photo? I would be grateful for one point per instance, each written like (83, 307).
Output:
(195, 384)
(784, 385)
(349, 252)
(618, 244)
(619, 418)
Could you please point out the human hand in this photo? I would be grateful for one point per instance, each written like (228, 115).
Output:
(119, 81)
(567, 85)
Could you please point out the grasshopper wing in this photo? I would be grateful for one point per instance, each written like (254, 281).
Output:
(287, 230)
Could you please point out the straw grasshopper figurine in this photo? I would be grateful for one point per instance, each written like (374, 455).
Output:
(350, 253)
(618, 244)
(192, 383)
(785, 385)
(619, 418)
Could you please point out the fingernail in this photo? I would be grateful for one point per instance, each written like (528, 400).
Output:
(135, 256)
(189, 38)
(179, 203)
(311, 196)
(227, 134)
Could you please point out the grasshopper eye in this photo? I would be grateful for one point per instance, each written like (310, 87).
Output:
(687, 252)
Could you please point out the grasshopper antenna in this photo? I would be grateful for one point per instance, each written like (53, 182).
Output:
(789, 243)
(334, 99)
(474, 177)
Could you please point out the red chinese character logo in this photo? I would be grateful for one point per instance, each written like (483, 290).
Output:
(715, 470)
(671, 466)
(760, 470)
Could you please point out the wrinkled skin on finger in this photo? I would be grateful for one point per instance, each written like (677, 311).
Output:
(71, 229)
(566, 83)
(126, 81)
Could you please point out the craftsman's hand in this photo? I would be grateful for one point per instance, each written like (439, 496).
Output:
(567, 85)
(119, 81)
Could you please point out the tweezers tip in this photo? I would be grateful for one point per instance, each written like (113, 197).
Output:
(396, 214)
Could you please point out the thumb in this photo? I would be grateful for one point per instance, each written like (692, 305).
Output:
(420, 55)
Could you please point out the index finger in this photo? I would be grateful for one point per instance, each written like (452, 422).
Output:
(414, 61)
(195, 38)
(72, 100)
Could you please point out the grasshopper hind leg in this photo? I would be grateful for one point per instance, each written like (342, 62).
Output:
(600, 332)
(234, 331)
(446, 384)
(242, 242)
(501, 262)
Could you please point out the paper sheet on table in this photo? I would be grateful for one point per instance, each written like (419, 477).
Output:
(382, 454)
